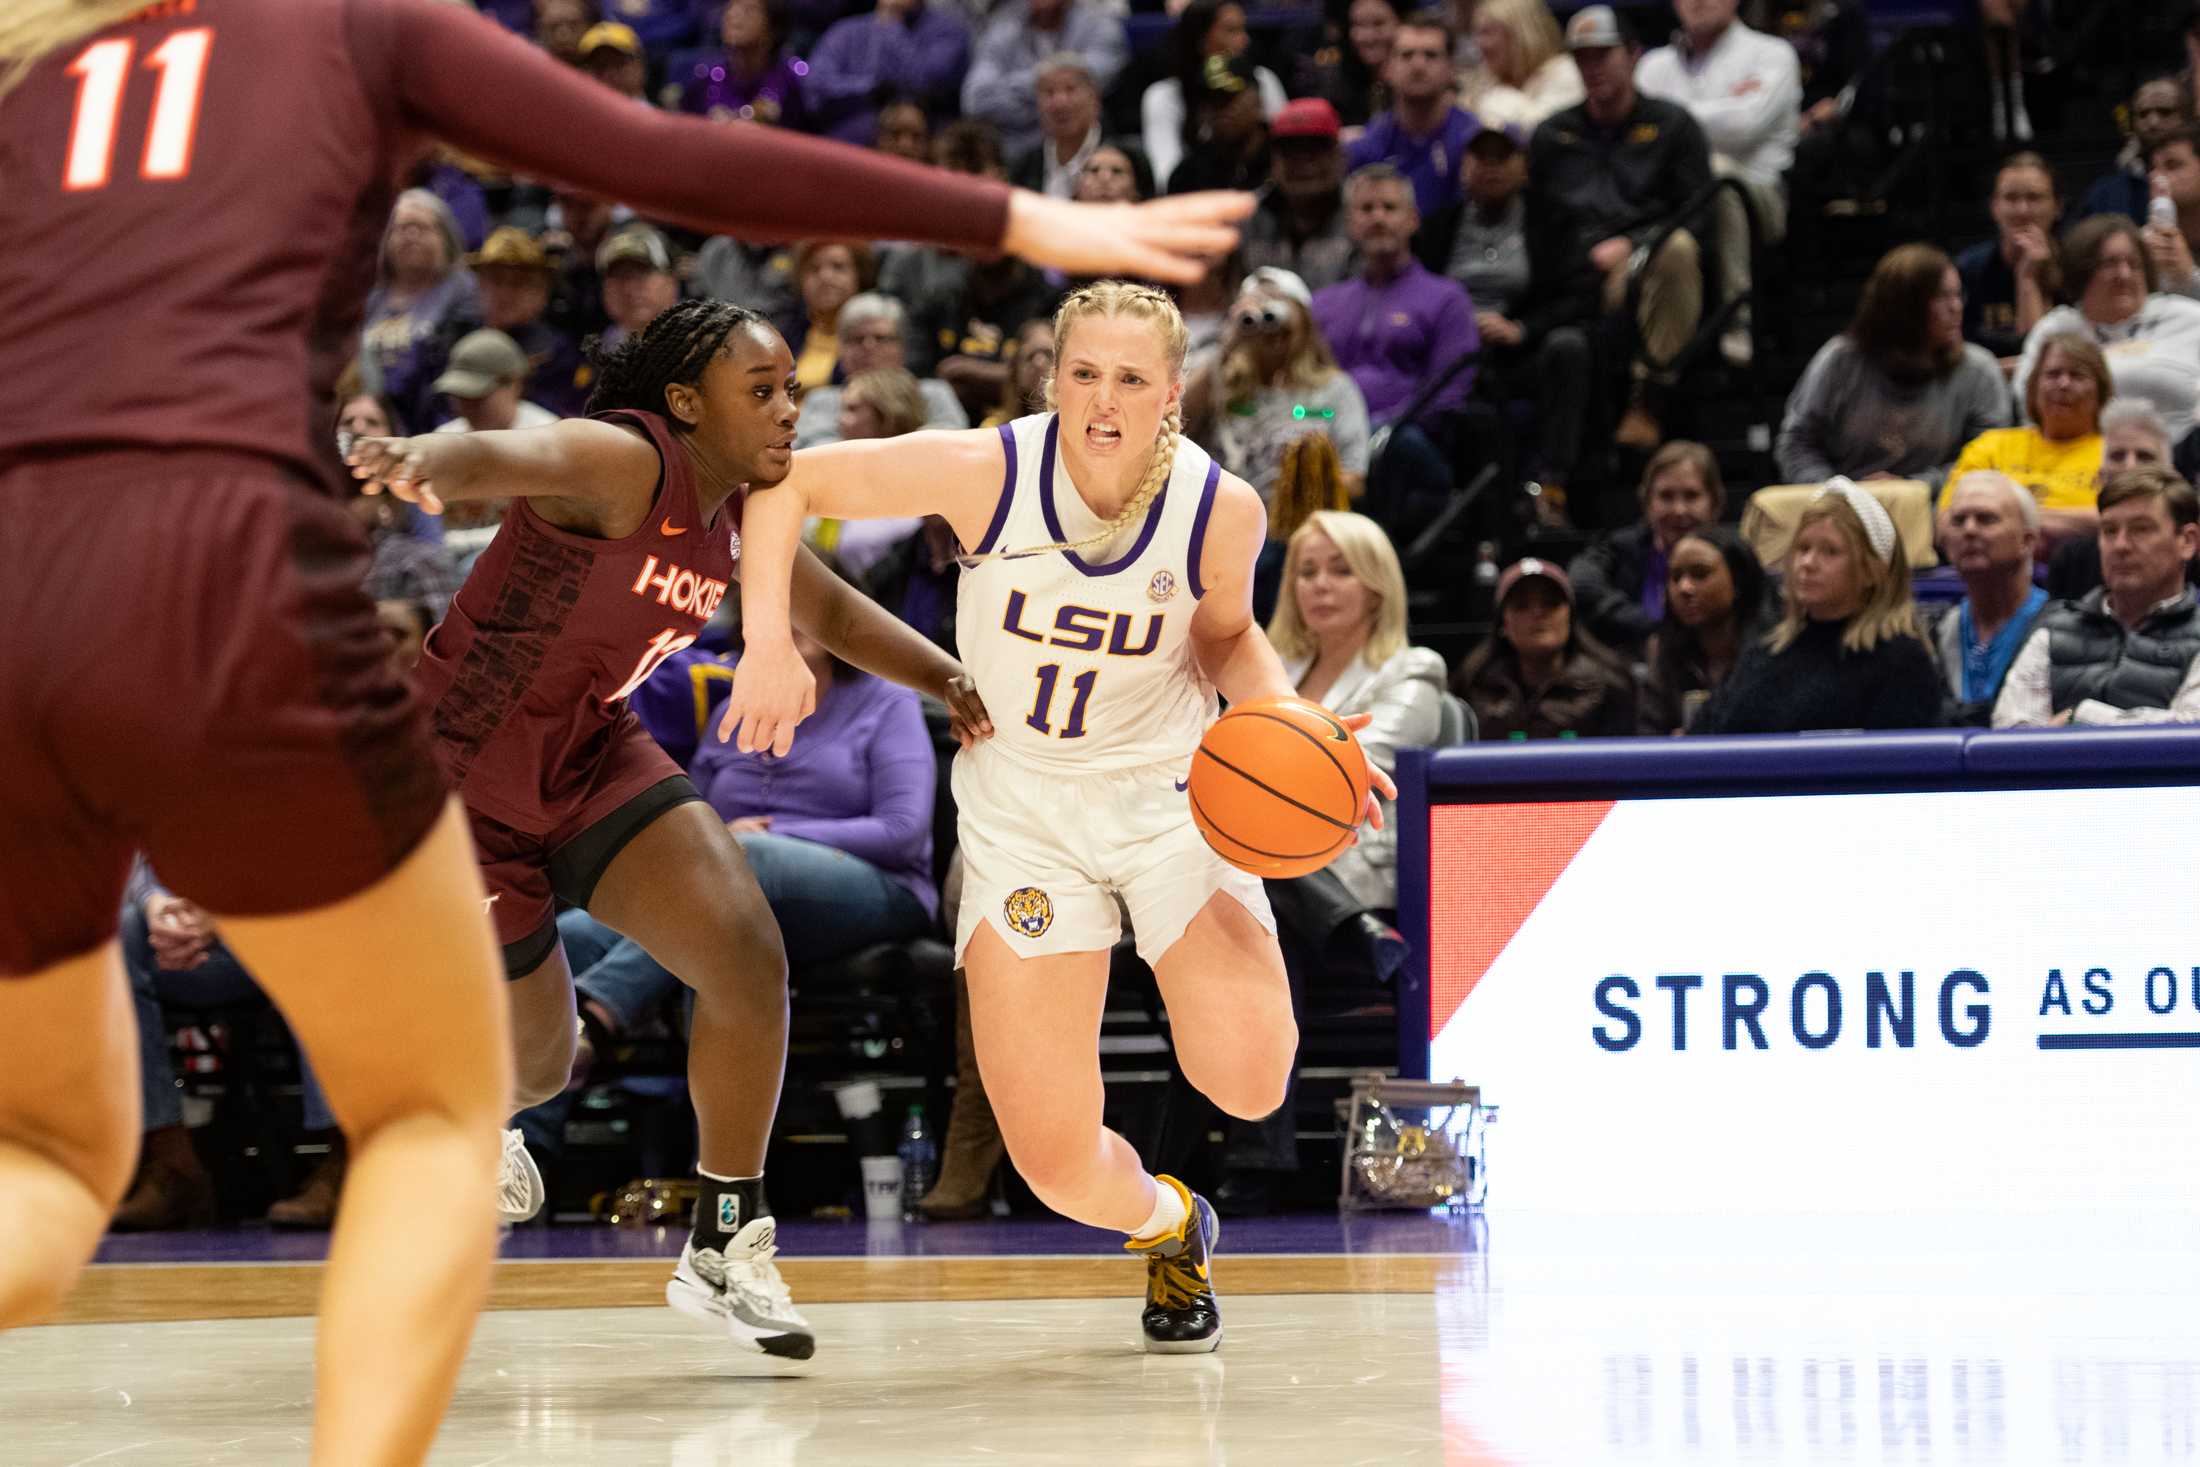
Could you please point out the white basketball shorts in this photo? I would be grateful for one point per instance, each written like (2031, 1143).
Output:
(1045, 857)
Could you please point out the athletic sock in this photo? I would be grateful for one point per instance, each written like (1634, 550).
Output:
(724, 1206)
(1167, 1216)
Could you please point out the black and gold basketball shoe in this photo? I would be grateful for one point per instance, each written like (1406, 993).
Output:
(1182, 1317)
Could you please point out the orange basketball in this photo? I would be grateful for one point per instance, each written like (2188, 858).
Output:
(1278, 786)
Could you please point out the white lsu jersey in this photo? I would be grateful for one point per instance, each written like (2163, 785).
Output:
(1086, 664)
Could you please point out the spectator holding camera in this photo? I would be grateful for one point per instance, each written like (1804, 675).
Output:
(2127, 652)
(1847, 653)
(1273, 383)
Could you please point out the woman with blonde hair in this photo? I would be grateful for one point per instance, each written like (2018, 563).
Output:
(1273, 383)
(1340, 628)
(1106, 600)
(306, 811)
(1847, 652)
(1526, 71)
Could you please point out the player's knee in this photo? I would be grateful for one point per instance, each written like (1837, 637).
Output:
(1257, 1077)
(541, 1066)
(1054, 1166)
(745, 955)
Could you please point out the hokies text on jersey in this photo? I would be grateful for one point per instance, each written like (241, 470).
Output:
(682, 590)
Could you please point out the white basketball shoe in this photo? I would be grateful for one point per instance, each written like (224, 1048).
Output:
(740, 1291)
(520, 1193)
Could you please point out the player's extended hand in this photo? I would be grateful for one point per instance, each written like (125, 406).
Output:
(1171, 239)
(967, 718)
(393, 465)
(773, 690)
(1379, 787)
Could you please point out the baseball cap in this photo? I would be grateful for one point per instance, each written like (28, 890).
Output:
(511, 247)
(1520, 570)
(1498, 136)
(1307, 117)
(637, 244)
(611, 34)
(482, 362)
(1597, 26)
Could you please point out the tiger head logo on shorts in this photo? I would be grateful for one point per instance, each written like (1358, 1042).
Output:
(1029, 910)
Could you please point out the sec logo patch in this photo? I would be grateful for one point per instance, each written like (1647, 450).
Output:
(1029, 910)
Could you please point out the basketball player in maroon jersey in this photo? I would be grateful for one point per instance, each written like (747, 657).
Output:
(621, 540)
(194, 189)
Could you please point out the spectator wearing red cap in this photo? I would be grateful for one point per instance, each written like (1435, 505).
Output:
(1541, 675)
(1300, 223)
(1204, 28)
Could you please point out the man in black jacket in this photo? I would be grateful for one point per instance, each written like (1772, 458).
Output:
(1604, 176)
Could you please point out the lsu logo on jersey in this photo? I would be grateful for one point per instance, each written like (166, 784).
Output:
(1161, 587)
(1029, 910)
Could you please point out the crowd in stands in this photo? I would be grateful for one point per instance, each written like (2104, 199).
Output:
(1489, 234)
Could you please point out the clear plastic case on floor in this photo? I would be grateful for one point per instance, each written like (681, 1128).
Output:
(1413, 1143)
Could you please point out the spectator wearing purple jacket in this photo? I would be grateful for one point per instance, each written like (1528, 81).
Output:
(754, 79)
(1422, 135)
(838, 833)
(904, 47)
(1394, 328)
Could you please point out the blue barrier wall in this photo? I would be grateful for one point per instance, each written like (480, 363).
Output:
(1566, 770)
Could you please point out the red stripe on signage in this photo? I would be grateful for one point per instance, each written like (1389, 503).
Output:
(1490, 866)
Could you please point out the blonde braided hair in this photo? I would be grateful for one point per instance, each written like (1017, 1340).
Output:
(1141, 302)
(32, 29)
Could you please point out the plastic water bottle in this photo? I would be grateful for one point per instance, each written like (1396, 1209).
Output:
(920, 1162)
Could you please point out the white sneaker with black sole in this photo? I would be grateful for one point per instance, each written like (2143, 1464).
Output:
(740, 1291)
(520, 1193)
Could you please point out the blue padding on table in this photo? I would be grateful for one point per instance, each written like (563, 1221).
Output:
(1778, 762)
(2054, 753)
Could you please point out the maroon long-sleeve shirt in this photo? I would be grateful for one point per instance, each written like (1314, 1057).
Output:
(191, 201)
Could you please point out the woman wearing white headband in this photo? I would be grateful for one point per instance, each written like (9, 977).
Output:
(1847, 653)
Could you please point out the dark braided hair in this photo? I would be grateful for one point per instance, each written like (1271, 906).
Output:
(676, 347)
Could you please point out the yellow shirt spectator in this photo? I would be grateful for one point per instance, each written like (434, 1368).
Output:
(2062, 473)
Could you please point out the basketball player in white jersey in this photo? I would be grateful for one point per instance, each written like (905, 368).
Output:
(1105, 600)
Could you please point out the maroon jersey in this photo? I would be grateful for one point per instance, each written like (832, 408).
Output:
(191, 201)
(530, 671)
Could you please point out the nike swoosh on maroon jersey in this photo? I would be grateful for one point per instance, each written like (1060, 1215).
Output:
(669, 529)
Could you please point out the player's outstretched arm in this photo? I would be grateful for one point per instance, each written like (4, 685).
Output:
(864, 634)
(956, 475)
(578, 459)
(1229, 646)
(467, 80)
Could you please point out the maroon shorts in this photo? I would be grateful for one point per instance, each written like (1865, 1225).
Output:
(528, 875)
(189, 667)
